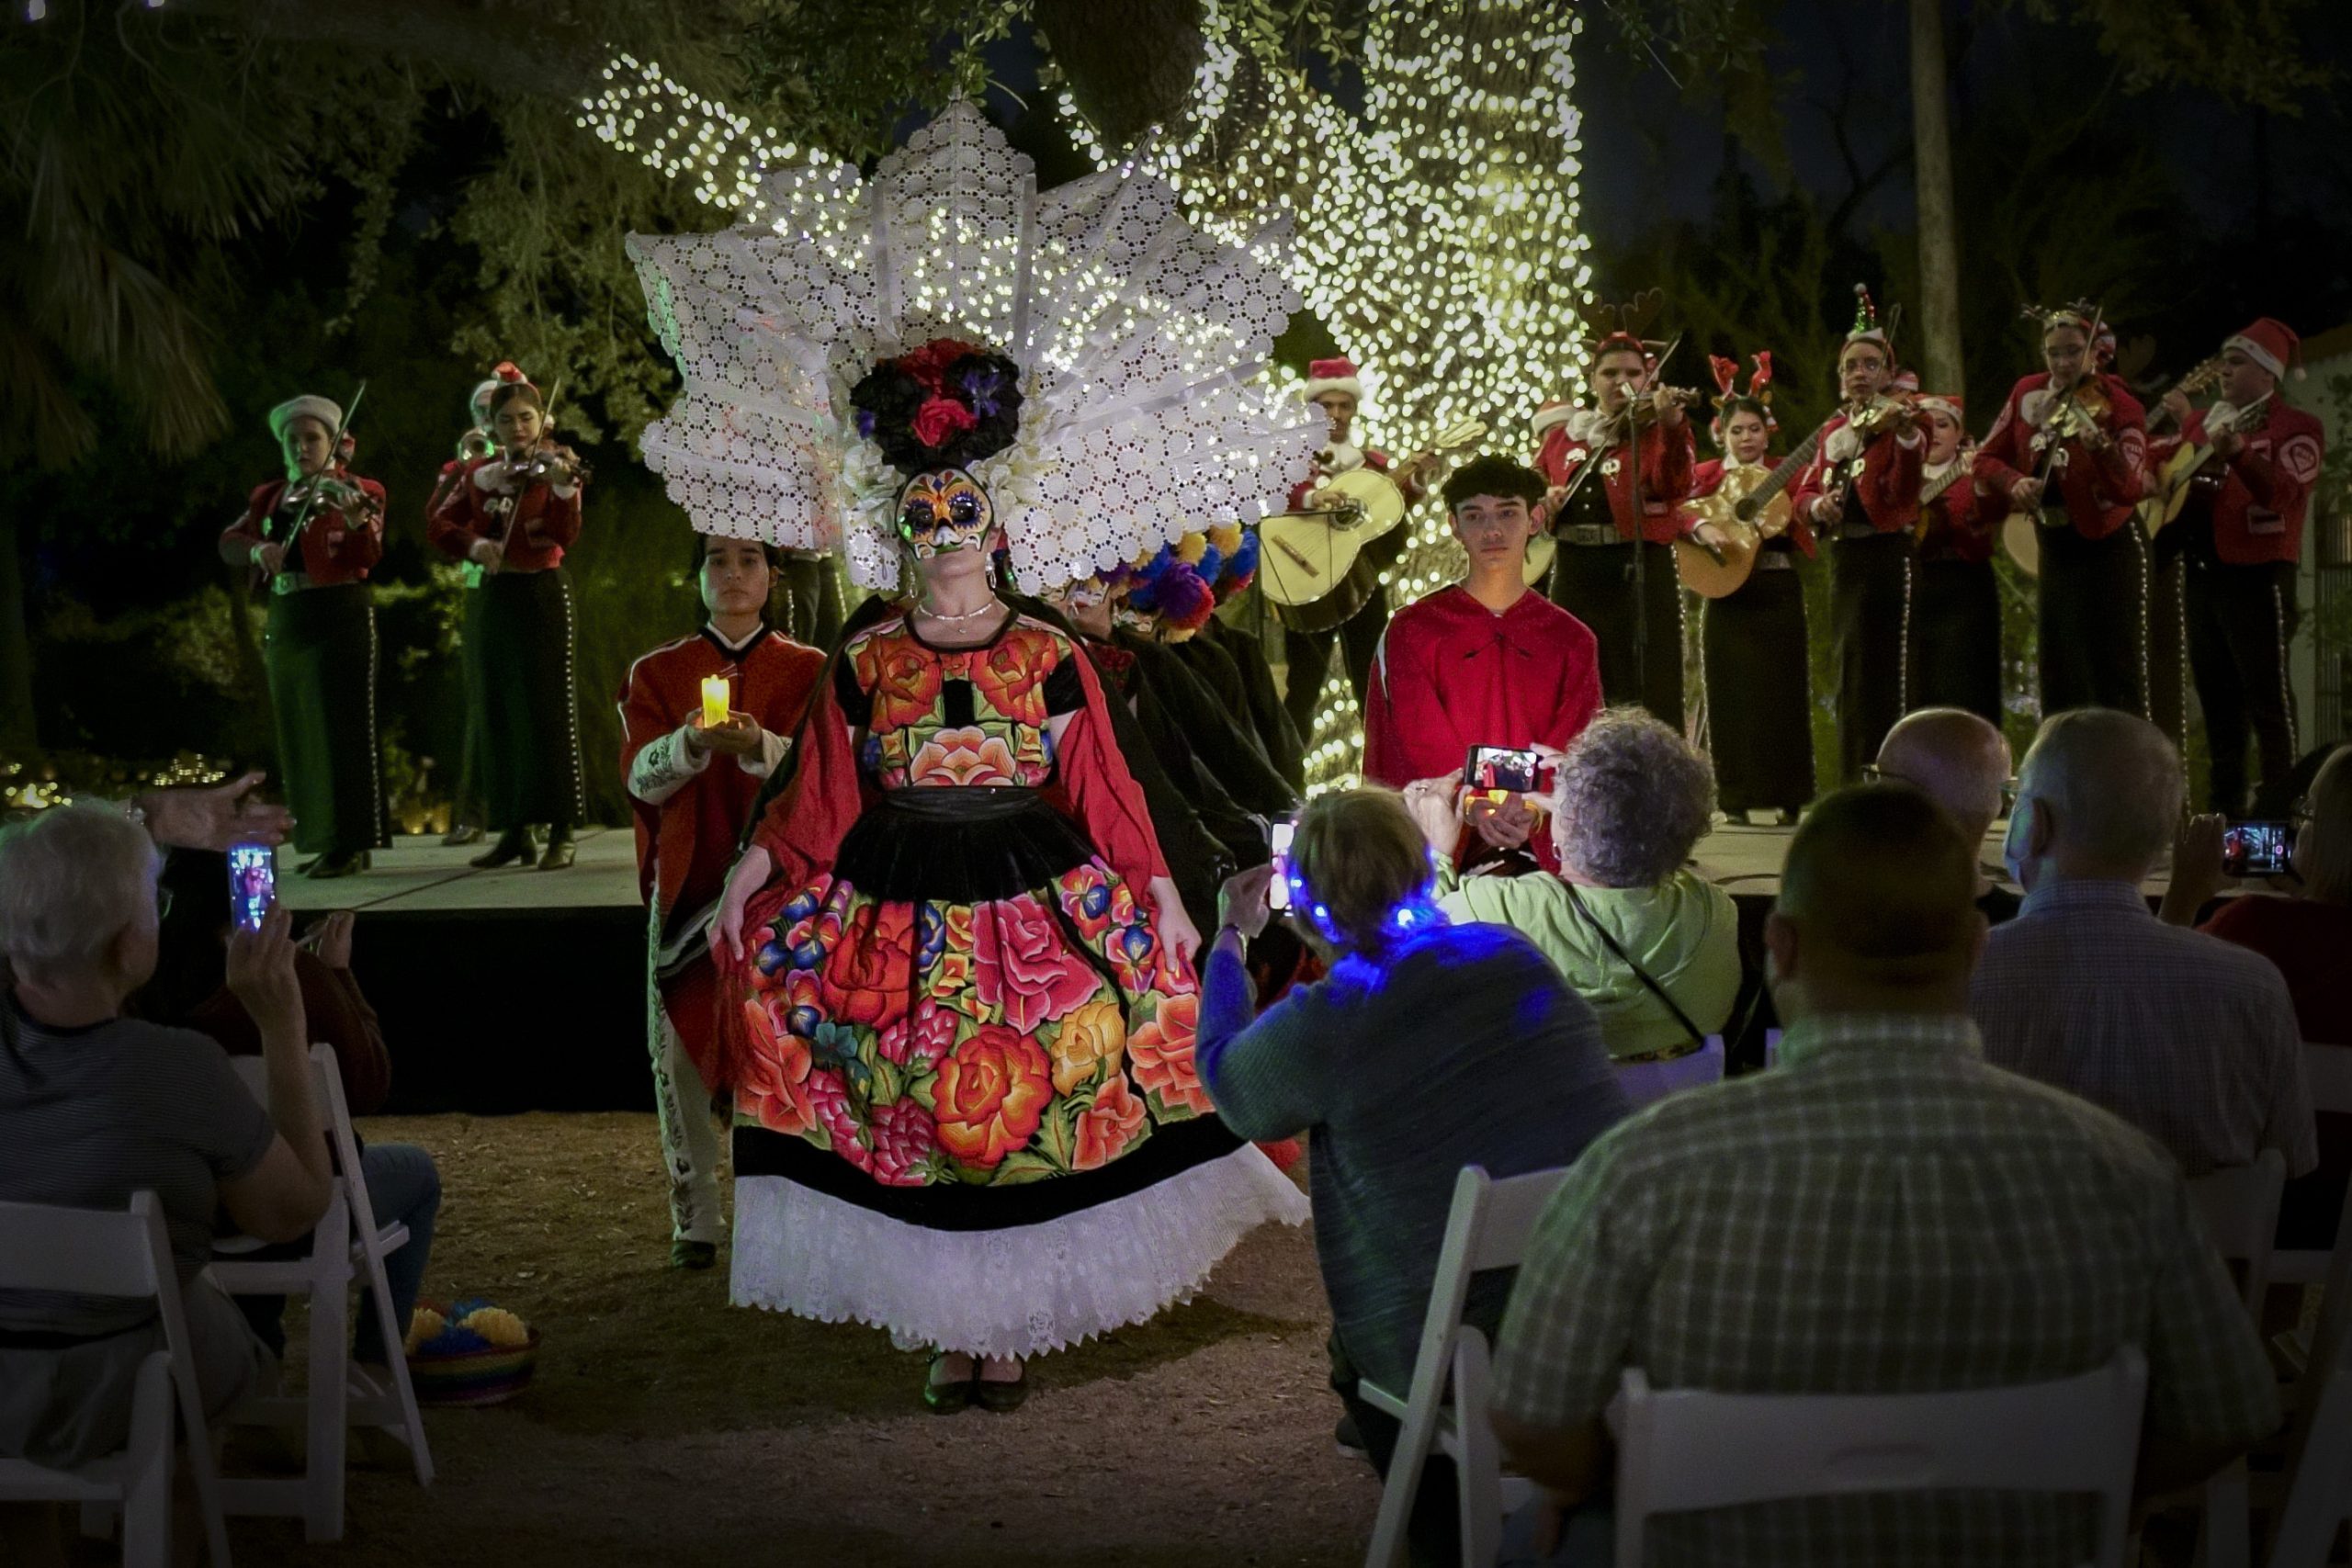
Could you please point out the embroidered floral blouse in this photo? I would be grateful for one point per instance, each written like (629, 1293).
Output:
(957, 717)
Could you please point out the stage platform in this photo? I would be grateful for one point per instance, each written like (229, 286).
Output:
(418, 876)
(519, 989)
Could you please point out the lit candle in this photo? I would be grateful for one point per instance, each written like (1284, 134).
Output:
(714, 701)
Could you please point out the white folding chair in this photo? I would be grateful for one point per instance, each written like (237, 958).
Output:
(1644, 1082)
(2240, 1210)
(2319, 1498)
(105, 1252)
(1486, 1228)
(347, 1246)
(2329, 1070)
(1686, 1448)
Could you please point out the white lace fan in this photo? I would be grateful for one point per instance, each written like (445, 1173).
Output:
(1137, 336)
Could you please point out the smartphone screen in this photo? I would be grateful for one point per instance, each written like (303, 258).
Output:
(2256, 849)
(1505, 769)
(253, 883)
(1278, 890)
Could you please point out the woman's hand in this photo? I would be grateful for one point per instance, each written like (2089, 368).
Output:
(261, 977)
(214, 817)
(2197, 874)
(751, 873)
(334, 943)
(1177, 933)
(1241, 902)
(1435, 806)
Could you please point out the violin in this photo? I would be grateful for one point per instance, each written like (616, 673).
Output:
(548, 463)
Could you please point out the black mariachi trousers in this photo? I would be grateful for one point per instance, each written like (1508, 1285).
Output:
(1956, 637)
(1595, 584)
(1308, 658)
(320, 649)
(1870, 602)
(1759, 693)
(2241, 619)
(2092, 622)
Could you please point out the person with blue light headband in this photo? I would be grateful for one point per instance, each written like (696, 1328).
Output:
(1426, 1047)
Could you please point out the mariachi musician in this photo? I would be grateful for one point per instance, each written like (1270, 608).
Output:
(311, 538)
(2068, 450)
(1599, 499)
(1956, 600)
(514, 513)
(467, 809)
(1752, 641)
(1355, 613)
(2244, 469)
(1861, 492)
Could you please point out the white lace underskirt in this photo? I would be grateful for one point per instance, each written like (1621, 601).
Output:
(1020, 1291)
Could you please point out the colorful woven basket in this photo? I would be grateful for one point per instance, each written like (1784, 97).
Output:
(491, 1375)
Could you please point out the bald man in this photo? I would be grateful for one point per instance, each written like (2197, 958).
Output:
(1872, 1215)
(2187, 1037)
(1961, 763)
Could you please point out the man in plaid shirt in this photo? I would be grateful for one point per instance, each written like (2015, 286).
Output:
(2192, 1039)
(1883, 1212)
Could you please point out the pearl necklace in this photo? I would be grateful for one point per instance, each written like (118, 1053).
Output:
(988, 608)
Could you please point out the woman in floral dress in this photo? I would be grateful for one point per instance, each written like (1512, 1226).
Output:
(965, 1106)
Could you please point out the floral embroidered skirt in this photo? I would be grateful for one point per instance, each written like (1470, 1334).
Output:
(967, 1111)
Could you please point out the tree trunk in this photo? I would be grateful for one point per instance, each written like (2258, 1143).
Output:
(19, 737)
(1939, 229)
(1129, 63)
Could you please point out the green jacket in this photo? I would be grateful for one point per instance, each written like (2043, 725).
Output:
(1685, 932)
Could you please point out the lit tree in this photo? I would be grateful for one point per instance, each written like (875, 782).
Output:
(1437, 235)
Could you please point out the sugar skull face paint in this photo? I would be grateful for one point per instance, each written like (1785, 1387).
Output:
(944, 512)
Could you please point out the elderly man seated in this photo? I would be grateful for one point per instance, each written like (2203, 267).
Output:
(94, 1107)
(2189, 1037)
(1874, 1215)
(1961, 762)
(1653, 945)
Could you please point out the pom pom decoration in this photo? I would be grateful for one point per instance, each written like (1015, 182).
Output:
(1168, 588)
(498, 1326)
(949, 404)
(473, 1353)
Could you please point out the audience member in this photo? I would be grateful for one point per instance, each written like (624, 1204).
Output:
(1650, 944)
(1428, 1046)
(2307, 936)
(94, 1107)
(2188, 1038)
(1883, 1212)
(190, 989)
(1962, 763)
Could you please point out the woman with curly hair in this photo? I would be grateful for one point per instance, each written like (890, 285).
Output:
(1653, 945)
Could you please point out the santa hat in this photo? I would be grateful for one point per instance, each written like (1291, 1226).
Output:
(1945, 403)
(2273, 346)
(1333, 375)
(325, 411)
(505, 373)
(1554, 413)
(1906, 381)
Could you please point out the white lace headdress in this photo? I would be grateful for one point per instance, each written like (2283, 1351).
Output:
(1139, 339)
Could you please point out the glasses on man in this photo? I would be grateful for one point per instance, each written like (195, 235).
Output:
(1874, 775)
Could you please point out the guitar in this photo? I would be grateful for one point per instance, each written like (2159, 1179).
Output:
(2020, 536)
(1311, 561)
(1713, 574)
(2188, 468)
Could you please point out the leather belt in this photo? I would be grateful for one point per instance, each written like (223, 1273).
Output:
(1590, 534)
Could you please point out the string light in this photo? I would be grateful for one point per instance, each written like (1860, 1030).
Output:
(1439, 238)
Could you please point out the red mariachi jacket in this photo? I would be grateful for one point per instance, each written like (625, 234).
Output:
(1959, 522)
(336, 547)
(537, 526)
(2266, 488)
(1887, 486)
(2099, 493)
(1668, 457)
(1708, 477)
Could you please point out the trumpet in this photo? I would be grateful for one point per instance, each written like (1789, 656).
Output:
(476, 443)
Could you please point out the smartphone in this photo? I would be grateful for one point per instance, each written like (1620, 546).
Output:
(2257, 849)
(253, 883)
(1278, 890)
(1513, 769)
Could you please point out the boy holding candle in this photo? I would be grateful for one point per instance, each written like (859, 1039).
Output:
(705, 720)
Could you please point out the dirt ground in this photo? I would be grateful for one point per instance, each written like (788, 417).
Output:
(666, 1426)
